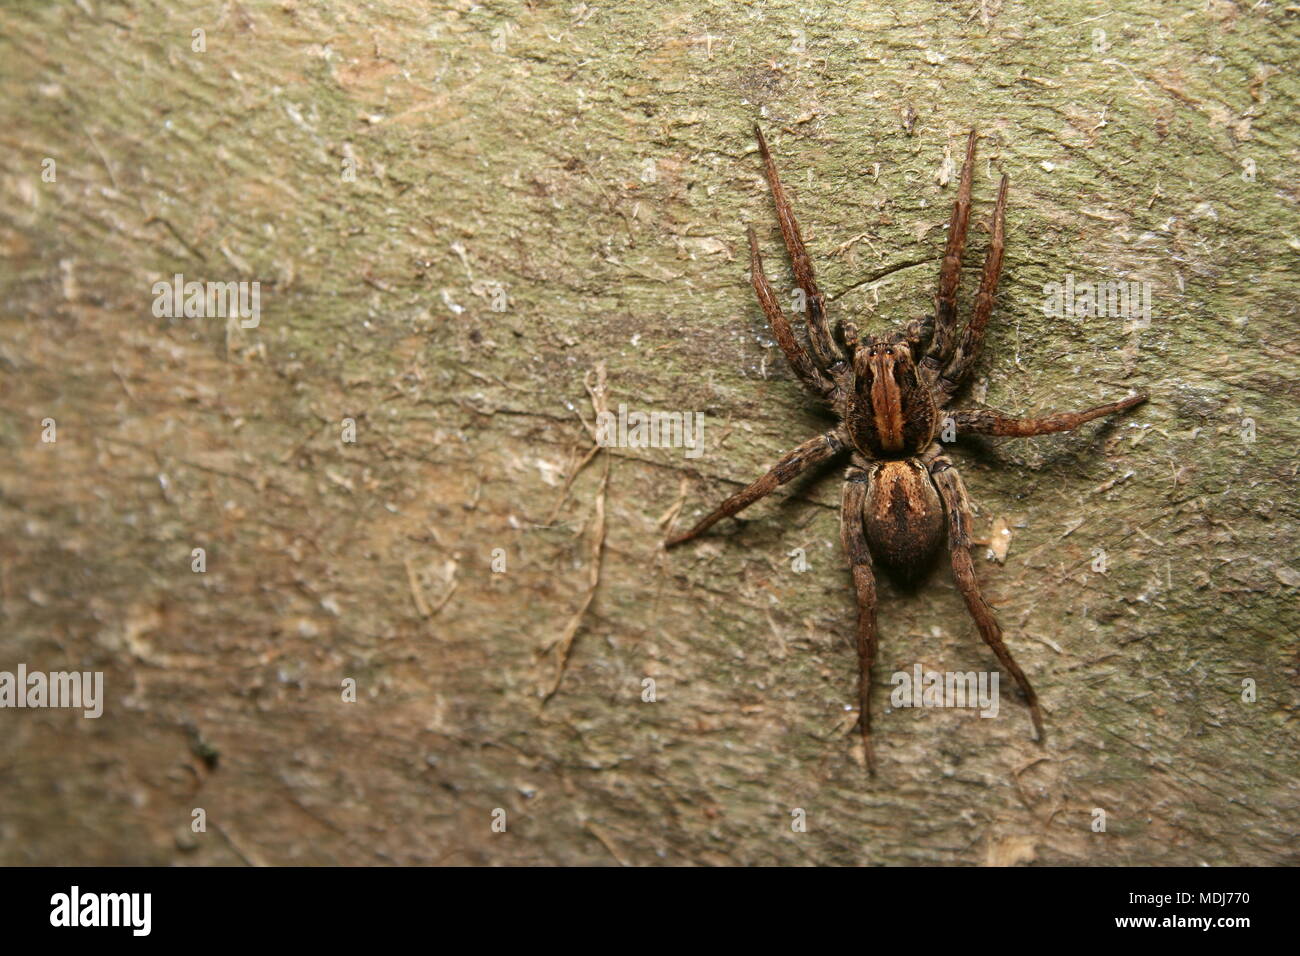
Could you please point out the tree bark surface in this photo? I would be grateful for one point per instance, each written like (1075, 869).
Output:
(457, 214)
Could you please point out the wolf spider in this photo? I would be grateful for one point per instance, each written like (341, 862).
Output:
(892, 394)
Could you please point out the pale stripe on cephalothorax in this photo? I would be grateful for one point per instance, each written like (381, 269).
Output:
(887, 406)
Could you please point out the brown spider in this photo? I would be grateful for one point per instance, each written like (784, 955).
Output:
(892, 395)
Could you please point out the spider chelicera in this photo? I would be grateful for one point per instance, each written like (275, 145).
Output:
(892, 394)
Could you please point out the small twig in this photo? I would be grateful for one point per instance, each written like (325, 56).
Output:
(569, 473)
(1108, 485)
(564, 643)
(568, 483)
(609, 844)
(243, 854)
(111, 178)
(1015, 778)
(177, 236)
(445, 598)
(421, 606)
(669, 516)
(122, 380)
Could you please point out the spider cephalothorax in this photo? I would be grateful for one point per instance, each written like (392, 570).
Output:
(892, 394)
(891, 413)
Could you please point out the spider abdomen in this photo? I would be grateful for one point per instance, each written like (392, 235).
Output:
(902, 515)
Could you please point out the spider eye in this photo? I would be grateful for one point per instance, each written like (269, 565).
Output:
(889, 351)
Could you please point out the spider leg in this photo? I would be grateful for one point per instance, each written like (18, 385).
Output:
(945, 300)
(809, 453)
(957, 505)
(988, 421)
(824, 350)
(917, 333)
(972, 339)
(803, 366)
(854, 540)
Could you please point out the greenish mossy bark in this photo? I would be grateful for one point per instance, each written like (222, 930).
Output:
(591, 169)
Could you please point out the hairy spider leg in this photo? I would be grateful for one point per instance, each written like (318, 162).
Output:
(957, 506)
(813, 378)
(824, 350)
(811, 452)
(972, 340)
(945, 300)
(854, 540)
(988, 421)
